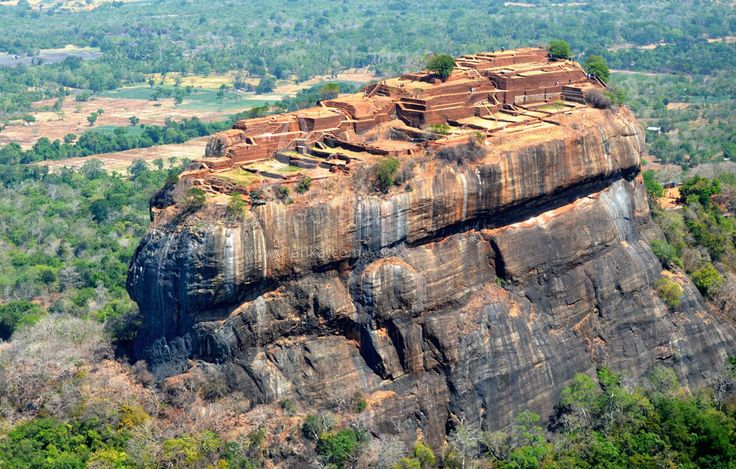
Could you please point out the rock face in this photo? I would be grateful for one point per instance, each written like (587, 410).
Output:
(477, 294)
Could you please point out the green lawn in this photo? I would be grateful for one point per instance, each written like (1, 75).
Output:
(240, 176)
(132, 130)
(129, 92)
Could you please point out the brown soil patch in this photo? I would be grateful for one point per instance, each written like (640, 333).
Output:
(73, 118)
(670, 198)
(677, 106)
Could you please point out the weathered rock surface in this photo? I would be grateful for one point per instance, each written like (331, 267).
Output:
(478, 294)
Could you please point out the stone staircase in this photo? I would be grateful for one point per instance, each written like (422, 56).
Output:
(573, 93)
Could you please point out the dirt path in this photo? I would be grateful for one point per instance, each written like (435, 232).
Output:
(634, 72)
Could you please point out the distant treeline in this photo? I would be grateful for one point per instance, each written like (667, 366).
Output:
(305, 39)
(698, 57)
(94, 142)
(14, 161)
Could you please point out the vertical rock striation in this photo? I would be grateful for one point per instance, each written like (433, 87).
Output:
(479, 293)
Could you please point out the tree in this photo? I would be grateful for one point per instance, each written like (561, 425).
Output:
(463, 153)
(441, 64)
(92, 169)
(239, 83)
(384, 451)
(729, 150)
(315, 425)
(92, 118)
(44, 442)
(257, 197)
(385, 173)
(424, 455)
(220, 94)
(464, 441)
(339, 447)
(559, 49)
(134, 120)
(708, 280)
(578, 402)
(596, 65)
(18, 313)
(597, 99)
(137, 168)
(726, 296)
(83, 96)
(497, 445)
(725, 383)
(700, 189)
(654, 188)
(667, 253)
(266, 85)
(329, 91)
(282, 193)
(179, 97)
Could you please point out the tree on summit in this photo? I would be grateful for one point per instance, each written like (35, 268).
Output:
(559, 49)
(441, 64)
(596, 65)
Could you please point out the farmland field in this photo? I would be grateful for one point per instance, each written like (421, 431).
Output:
(199, 99)
(121, 160)
(121, 104)
(72, 117)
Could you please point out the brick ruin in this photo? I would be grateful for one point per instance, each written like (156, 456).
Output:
(488, 92)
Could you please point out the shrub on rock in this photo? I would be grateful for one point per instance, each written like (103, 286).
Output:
(670, 291)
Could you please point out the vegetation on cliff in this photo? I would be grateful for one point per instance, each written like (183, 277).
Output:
(67, 238)
(612, 421)
(65, 403)
(700, 238)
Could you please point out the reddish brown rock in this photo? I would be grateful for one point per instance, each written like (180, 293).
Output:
(476, 291)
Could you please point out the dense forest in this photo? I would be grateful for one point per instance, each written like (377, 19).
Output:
(297, 41)
(611, 421)
(66, 237)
